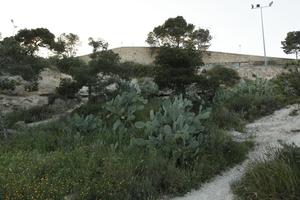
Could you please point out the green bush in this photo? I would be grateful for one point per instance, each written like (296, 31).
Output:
(67, 88)
(32, 86)
(7, 84)
(135, 70)
(288, 84)
(249, 99)
(223, 76)
(69, 64)
(209, 82)
(278, 178)
(89, 109)
(177, 67)
(147, 87)
(33, 114)
(227, 119)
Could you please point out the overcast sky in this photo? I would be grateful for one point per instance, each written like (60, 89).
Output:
(233, 25)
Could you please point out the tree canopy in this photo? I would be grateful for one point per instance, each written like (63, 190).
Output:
(67, 44)
(98, 45)
(291, 44)
(176, 32)
(32, 39)
(179, 53)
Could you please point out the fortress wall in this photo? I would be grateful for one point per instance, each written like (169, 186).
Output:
(146, 55)
(248, 66)
(142, 55)
(212, 57)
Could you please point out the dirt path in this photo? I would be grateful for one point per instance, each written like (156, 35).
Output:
(267, 132)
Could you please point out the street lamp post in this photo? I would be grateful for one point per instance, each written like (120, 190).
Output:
(14, 26)
(258, 6)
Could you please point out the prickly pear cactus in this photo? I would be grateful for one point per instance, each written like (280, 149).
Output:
(122, 109)
(174, 129)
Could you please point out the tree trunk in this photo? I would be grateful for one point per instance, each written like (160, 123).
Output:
(89, 91)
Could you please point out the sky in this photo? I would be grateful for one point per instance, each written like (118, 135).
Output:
(234, 26)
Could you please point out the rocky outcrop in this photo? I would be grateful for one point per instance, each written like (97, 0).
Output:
(49, 80)
(10, 103)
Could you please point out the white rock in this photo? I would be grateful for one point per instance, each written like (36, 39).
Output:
(49, 80)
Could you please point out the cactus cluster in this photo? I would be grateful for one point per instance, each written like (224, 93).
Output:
(174, 129)
(88, 124)
(122, 109)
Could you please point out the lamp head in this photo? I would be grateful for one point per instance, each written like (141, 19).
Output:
(270, 4)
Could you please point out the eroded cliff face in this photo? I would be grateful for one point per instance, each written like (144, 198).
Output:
(49, 80)
(19, 98)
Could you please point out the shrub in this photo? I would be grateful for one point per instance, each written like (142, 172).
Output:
(69, 64)
(147, 87)
(67, 88)
(207, 84)
(33, 114)
(89, 109)
(28, 69)
(135, 70)
(7, 84)
(227, 119)
(87, 124)
(107, 86)
(250, 99)
(288, 84)
(178, 67)
(223, 76)
(278, 178)
(32, 86)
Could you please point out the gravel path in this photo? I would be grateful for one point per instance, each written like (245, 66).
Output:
(267, 132)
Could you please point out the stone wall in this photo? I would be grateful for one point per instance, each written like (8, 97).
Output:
(248, 66)
(212, 57)
(146, 55)
(252, 72)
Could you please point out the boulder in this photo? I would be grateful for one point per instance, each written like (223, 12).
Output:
(49, 81)
(10, 103)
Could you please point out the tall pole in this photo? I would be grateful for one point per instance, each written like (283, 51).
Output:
(14, 26)
(263, 34)
(262, 25)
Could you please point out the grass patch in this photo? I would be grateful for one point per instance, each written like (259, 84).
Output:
(34, 114)
(278, 178)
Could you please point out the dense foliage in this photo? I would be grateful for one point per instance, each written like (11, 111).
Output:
(112, 158)
(7, 84)
(289, 83)
(244, 102)
(15, 61)
(67, 88)
(291, 44)
(179, 53)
